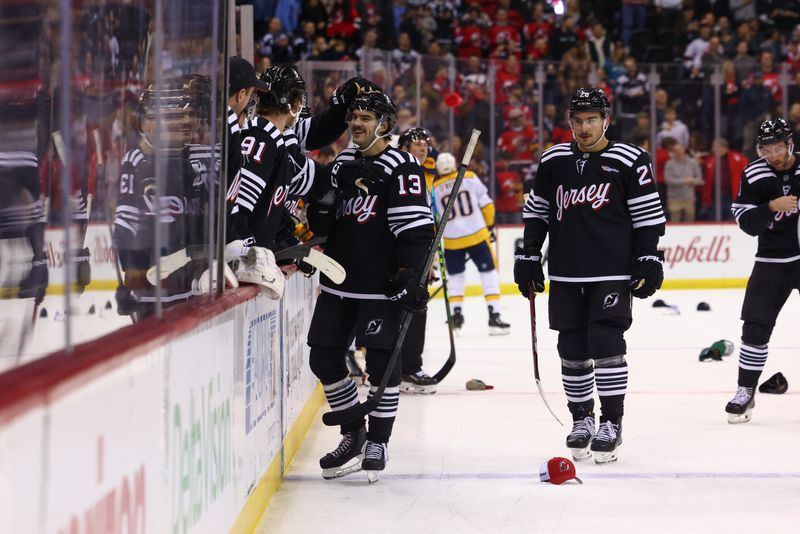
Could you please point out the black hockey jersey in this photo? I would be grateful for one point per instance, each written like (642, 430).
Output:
(375, 234)
(185, 199)
(263, 184)
(777, 232)
(601, 209)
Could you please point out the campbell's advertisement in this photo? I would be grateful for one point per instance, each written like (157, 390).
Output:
(694, 254)
(101, 253)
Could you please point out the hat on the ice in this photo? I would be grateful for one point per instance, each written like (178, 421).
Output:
(557, 471)
(703, 306)
(777, 385)
(658, 303)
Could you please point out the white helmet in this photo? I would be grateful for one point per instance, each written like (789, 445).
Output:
(446, 163)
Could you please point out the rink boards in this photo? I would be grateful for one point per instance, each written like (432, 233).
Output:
(182, 425)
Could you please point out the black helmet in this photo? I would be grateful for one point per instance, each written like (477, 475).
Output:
(414, 134)
(773, 131)
(285, 86)
(172, 95)
(589, 99)
(378, 103)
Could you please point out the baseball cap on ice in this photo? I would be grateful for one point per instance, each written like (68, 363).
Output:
(243, 75)
(557, 471)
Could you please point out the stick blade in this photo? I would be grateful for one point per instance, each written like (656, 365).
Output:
(448, 365)
(347, 415)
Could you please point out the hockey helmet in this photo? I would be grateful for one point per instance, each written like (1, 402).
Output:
(773, 131)
(173, 100)
(413, 135)
(285, 87)
(378, 103)
(445, 163)
(589, 99)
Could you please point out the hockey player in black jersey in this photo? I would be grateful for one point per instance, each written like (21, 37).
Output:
(766, 207)
(413, 379)
(382, 231)
(184, 173)
(598, 202)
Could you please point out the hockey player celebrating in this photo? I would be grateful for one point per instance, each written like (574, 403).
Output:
(413, 379)
(468, 234)
(598, 202)
(382, 231)
(766, 207)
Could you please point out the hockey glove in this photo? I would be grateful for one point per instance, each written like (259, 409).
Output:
(357, 174)
(528, 271)
(349, 90)
(126, 304)
(83, 269)
(647, 274)
(405, 291)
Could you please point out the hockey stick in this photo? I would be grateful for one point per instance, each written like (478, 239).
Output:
(532, 298)
(361, 409)
(451, 358)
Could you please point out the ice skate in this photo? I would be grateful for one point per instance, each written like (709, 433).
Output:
(741, 405)
(418, 382)
(497, 327)
(607, 441)
(346, 459)
(375, 457)
(458, 320)
(579, 439)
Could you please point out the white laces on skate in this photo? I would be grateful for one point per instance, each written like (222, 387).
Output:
(607, 432)
(583, 427)
(374, 451)
(344, 445)
(422, 374)
(743, 395)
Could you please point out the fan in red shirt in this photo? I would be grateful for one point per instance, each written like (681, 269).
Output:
(502, 31)
(506, 75)
(508, 199)
(538, 27)
(517, 141)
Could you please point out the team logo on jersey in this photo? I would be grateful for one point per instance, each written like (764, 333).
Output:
(580, 164)
(786, 189)
(610, 300)
(362, 208)
(374, 327)
(596, 195)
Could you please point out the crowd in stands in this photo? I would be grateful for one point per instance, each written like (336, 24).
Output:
(607, 43)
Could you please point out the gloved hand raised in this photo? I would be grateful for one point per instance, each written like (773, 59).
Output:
(528, 270)
(349, 90)
(647, 274)
(358, 174)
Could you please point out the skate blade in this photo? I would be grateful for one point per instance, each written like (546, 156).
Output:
(496, 331)
(353, 466)
(605, 457)
(581, 454)
(373, 476)
(739, 418)
(417, 390)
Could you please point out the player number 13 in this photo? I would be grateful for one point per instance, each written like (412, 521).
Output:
(410, 185)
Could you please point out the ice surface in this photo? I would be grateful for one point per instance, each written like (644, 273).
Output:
(467, 461)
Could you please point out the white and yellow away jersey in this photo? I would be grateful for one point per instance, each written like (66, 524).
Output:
(472, 212)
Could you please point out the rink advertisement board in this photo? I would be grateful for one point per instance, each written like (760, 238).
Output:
(695, 255)
(175, 431)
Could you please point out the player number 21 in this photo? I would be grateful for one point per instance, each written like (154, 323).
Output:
(643, 170)
(410, 185)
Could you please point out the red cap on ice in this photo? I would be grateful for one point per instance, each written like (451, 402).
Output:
(557, 471)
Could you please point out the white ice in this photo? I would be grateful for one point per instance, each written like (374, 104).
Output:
(467, 461)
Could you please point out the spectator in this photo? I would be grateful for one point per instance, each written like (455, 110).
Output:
(403, 57)
(792, 55)
(313, 11)
(662, 155)
(469, 34)
(771, 79)
(669, 11)
(508, 201)
(264, 45)
(794, 89)
(538, 50)
(304, 39)
(368, 48)
(712, 56)
(288, 11)
(539, 27)
(682, 175)
(343, 21)
(632, 92)
(599, 44)
(731, 91)
(785, 14)
(444, 13)
(662, 103)
(574, 70)
(503, 32)
(642, 128)
(475, 72)
(733, 163)
(753, 106)
(744, 63)
(633, 17)
(673, 127)
(506, 75)
(563, 38)
(724, 32)
(794, 120)
(516, 142)
(282, 52)
(615, 64)
(400, 96)
(693, 55)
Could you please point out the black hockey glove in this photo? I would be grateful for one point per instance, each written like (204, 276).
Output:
(358, 174)
(349, 90)
(126, 304)
(528, 271)
(647, 274)
(83, 269)
(404, 289)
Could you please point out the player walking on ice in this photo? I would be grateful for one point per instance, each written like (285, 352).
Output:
(469, 234)
(766, 207)
(382, 232)
(598, 202)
